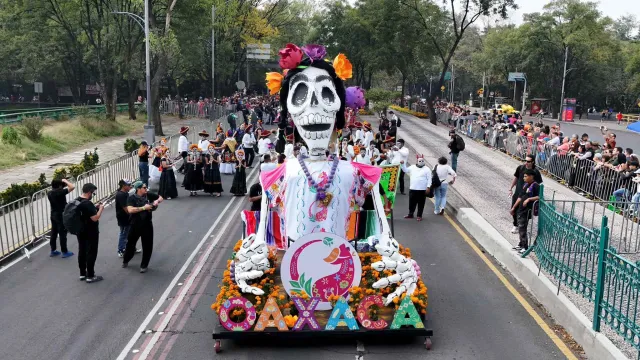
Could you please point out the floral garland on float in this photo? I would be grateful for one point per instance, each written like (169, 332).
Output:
(312, 278)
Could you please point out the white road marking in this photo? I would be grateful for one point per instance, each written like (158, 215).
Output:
(173, 283)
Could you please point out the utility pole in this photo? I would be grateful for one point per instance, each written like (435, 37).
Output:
(564, 76)
(149, 129)
(213, 52)
(482, 100)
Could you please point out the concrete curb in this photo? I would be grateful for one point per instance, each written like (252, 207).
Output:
(564, 312)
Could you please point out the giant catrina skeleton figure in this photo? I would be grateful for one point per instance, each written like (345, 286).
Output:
(313, 194)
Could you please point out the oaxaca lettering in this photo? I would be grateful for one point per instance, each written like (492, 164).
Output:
(341, 315)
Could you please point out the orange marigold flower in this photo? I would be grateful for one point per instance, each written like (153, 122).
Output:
(274, 82)
(343, 67)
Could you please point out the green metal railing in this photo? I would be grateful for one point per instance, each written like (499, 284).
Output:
(57, 113)
(582, 259)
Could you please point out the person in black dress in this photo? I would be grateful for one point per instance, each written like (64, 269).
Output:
(239, 185)
(212, 178)
(167, 188)
(193, 179)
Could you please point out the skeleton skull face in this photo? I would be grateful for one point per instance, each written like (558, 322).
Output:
(421, 162)
(313, 103)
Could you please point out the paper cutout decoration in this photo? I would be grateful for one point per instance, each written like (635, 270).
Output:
(341, 316)
(405, 309)
(306, 313)
(320, 264)
(362, 313)
(269, 311)
(233, 303)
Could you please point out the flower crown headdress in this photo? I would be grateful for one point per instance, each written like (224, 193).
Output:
(291, 57)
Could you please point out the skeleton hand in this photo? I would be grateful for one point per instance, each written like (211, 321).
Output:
(406, 269)
(251, 262)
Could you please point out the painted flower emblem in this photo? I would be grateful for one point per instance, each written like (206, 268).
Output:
(314, 51)
(343, 67)
(290, 56)
(344, 284)
(274, 82)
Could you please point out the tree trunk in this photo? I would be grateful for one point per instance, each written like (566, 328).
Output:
(108, 91)
(133, 87)
(404, 78)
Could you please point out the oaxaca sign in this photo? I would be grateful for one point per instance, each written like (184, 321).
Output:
(321, 264)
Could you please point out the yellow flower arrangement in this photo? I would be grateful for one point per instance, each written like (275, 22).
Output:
(268, 284)
(409, 111)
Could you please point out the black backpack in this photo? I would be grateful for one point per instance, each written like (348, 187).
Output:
(71, 217)
(399, 122)
(435, 179)
(459, 143)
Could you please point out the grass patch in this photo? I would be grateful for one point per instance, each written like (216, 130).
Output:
(63, 136)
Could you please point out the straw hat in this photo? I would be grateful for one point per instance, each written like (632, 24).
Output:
(204, 133)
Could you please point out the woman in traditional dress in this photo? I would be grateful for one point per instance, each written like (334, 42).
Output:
(228, 149)
(193, 178)
(168, 188)
(212, 178)
(239, 185)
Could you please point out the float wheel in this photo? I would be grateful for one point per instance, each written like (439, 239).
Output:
(427, 343)
(217, 347)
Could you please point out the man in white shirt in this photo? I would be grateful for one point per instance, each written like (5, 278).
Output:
(267, 163)
(203, 144)
(555, 139)
(367, 135)
(419, 186)
(399, 155)
(183, 146)
(359, 134)
(373, 154)
(248, 141)
(263, 143)
(288, 148)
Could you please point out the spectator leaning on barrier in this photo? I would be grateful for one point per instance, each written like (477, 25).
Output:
(140, 206)
(523, 207)
(635, 201)
(626, 175)
(58, 200)
(519, 182)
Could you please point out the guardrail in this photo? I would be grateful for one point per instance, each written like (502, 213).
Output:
(27, 221)
(56, 113)
(587, 177)
(579, 254)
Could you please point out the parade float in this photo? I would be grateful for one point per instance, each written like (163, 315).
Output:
(305, 267)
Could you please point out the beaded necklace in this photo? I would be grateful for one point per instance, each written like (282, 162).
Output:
(322, 194)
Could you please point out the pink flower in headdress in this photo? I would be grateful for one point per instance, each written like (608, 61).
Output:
(355, 97)
(290, 56)
(314, 51)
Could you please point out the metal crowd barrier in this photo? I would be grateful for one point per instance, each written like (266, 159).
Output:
(28, 220)
(194, 110)
(584, 176)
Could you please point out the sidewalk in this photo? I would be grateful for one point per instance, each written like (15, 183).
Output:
(108, 149)
(484, 178)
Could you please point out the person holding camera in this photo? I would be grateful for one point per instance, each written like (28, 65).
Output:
(58, 201)
(89, 233)
(140, 206)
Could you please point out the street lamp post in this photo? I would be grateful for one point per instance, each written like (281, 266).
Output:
(149, 129)
(213, 52)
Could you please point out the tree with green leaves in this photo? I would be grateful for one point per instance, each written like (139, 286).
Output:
(444, 27)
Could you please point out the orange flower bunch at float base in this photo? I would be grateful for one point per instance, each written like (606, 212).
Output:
(290, 320)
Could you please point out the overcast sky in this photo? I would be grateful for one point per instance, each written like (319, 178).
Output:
(612, 8)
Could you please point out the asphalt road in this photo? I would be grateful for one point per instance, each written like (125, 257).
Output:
(48, 314)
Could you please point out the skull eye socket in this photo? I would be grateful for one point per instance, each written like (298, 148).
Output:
(300, 94)
(327, 95)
